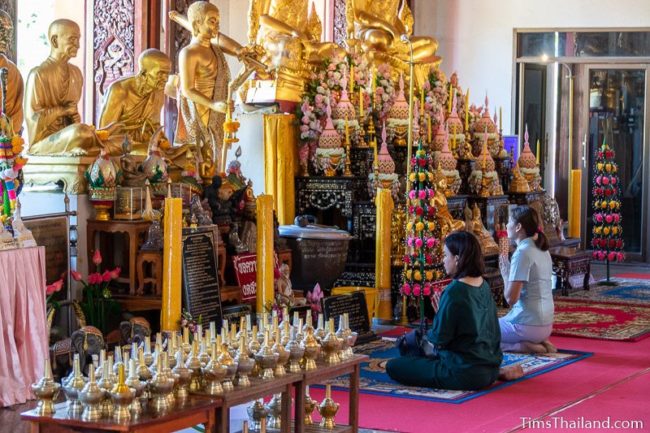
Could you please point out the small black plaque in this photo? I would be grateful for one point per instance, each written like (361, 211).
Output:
(201, 293)
(355, 305)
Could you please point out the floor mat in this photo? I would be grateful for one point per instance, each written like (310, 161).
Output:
(601, 320)
(627, 290)
(374, 379)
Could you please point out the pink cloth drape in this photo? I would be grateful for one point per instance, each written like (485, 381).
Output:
(23, 346)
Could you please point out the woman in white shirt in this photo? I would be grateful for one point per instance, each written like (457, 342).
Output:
(527, 278)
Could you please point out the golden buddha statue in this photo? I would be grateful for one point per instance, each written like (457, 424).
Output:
(488, 244)
(52, 94)
(136, 101)
(445, 219)
(290, 34)
(13, 100)
(380, 25)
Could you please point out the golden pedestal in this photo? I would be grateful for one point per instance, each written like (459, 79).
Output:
(43, 170)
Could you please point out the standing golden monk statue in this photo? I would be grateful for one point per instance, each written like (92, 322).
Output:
(52, 94)
(204, 77)
(13, 100)
(136, 101)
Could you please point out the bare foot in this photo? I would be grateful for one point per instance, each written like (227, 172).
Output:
(511, 373)
(550, 347)
(528, 347)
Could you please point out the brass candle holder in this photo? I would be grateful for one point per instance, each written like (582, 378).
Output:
(331, 346)
(283, 356)
(296, 351)
(170, 375)
(160, 385)
(133, 382)
(194, 363)
(310, 406)
(347, 172)
(274, 411)
(91, 397)
(143, 371)
(229, 363)
(328, 409)
(213, 373)
(257, 415)
(73, 387)
(148, 356)
(122, 397)
(245, 363)
(105, 384)
(266, 358)
(46, 390)
(312, 349)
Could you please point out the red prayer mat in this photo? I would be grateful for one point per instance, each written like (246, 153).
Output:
(601, 320)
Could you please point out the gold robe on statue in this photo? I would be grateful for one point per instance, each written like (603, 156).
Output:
(14, 99)
(197, 124)
(50, 87)
(138, 114)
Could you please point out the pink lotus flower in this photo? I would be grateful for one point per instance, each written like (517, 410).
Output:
(76, 275)
(406, 289)
(422, 194)
(599, 180)
(97, 258)
(614, 181)
(115, 273)
(612, 256)
(54, 287)
(418, 243)
(94, 278)
(620, 257)
(431, 242)
(605, 180)
(412, 194)
(416, 290)
(427, 290)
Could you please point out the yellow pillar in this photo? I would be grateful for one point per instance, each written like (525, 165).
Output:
(171, 294)
(280, 156)
(265, 256)
(575, 202)
(384, 204)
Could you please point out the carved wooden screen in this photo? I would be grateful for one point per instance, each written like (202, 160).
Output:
(9, 6)
(121, 31)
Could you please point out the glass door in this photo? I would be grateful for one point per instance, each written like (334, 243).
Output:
(616, 99)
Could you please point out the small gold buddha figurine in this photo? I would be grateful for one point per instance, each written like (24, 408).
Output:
(136, 101)
(445, 219)
(13, 100)
(488, 244)
(52, 94)
(518, 184)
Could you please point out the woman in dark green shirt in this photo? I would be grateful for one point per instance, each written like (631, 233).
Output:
(465, 330)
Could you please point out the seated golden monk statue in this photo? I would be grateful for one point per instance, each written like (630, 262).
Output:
(13, 100)
(488, 244)
(380, 24)
(136, 101)
(445, 219)
(52, 94)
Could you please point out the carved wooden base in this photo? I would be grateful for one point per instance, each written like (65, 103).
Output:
(43, 170)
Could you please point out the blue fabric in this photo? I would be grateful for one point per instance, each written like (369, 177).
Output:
(534, 268)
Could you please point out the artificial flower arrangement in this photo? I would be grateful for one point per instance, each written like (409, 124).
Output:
(97, 303)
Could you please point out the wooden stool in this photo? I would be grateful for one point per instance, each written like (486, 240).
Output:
(569, 262)
(156, 260)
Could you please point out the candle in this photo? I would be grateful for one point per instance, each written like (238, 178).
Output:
(347, 132)
(500, 119)
(575, 191)
(351, 80)
(537, 154)
(451, 89)
(265, 291)
(360, 101)
(467, 110)
(385, 205)
(422, 100)
(171, 295)
(373, 88)
(429, 128)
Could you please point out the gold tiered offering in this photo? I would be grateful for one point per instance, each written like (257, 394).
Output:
(46, 391)
(328, 409)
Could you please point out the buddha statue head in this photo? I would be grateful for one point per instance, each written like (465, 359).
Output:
(64, 36)
(6, 32)
(204, 18)
(155, 68)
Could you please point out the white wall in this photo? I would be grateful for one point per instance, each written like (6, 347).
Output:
(476, 36)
